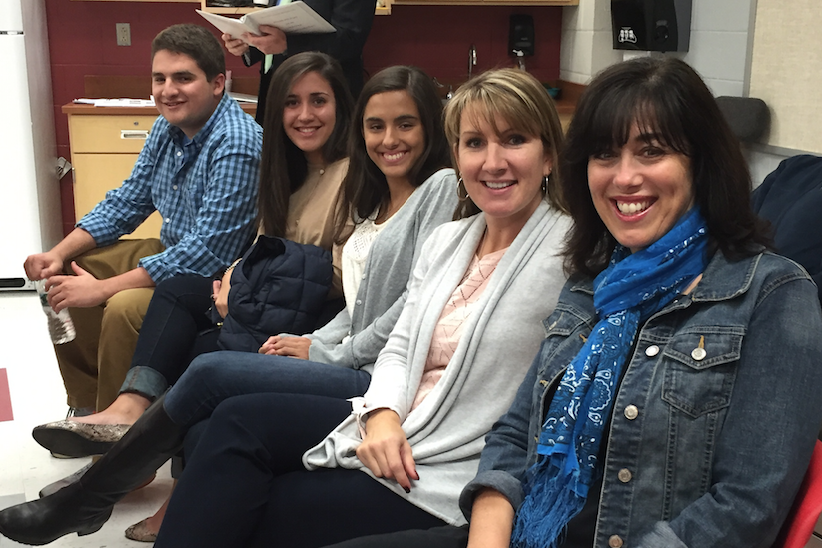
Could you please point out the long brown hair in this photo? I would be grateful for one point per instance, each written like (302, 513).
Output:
(283, 166)
(365, 187)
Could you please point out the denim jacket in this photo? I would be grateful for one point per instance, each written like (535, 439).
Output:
(705, 449)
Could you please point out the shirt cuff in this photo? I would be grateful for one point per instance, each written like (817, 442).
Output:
(502, 482)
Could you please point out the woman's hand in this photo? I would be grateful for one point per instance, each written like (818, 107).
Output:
(270, 41)
(235, 46)
(220, 296)
(294, 347)
(492, 519)
(385, 449)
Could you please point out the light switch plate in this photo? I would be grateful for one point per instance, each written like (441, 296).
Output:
(123, 34)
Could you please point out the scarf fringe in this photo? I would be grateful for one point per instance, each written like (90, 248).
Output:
(547, 509)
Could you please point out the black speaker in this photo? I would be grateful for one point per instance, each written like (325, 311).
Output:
(521, 34)
(651, 25)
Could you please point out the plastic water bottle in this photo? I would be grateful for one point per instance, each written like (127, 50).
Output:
(61, 328)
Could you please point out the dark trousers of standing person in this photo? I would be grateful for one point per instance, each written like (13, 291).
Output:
(176, 329)
(245, 484)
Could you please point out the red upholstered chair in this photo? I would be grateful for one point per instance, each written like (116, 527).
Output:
(807, 507)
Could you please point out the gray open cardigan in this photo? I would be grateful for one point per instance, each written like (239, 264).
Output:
(356, 342)
(500, 339)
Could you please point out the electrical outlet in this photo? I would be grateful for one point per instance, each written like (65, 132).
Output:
(123, 34)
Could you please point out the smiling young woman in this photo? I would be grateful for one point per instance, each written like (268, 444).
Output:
(309, 115)
(394, 137)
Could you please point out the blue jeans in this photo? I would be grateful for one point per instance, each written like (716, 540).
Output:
(214, 377)
(175, 330)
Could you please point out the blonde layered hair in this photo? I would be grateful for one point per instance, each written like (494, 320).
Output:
(518, 98)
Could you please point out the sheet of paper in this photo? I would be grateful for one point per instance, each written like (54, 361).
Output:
(228, 25)
(243, 97)
(116, 102)
(294, 18)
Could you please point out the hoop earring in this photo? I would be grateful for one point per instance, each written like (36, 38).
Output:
(545, 179)
(462, 193)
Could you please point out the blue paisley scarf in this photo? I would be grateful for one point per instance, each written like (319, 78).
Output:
(628, 292)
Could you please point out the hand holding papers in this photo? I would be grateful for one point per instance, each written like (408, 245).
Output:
(293, 18)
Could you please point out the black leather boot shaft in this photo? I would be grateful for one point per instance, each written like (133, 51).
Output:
(150, 442)
(83, 507)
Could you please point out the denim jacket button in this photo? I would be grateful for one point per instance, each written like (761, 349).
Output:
(615, 541)
(631, 412)
(652, 351)
(624, 475)
(698, 354)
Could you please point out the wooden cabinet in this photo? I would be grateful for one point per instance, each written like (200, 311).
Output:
(104, 147)
(105, 143)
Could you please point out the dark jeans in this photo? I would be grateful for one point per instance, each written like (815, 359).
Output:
(213, 378)
(245, 484)
(446, 536)
(176, 329)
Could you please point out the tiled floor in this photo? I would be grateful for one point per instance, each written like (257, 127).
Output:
(38, 396)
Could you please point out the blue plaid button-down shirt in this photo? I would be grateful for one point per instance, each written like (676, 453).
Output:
(204, 188)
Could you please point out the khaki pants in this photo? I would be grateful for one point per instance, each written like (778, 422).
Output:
(95, 364)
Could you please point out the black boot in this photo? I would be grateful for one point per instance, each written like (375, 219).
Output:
(85, 506)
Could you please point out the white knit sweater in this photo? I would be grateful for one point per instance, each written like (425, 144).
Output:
(500, 339)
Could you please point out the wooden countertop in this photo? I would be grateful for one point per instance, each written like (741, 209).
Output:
(569, 95)
(74, 108)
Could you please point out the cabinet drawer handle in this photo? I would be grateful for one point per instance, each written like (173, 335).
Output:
(134, 134)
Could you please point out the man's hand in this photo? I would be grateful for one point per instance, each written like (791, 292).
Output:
(385, 449)
(43, 265)
(295, 347)
(80, 291)
(271, 42)
(235, 46)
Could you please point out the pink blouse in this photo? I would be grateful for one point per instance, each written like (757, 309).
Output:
(449, 327)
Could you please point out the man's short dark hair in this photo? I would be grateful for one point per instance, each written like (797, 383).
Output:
(195, 41)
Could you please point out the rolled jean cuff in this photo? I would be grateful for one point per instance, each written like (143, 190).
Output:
(145, 381)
